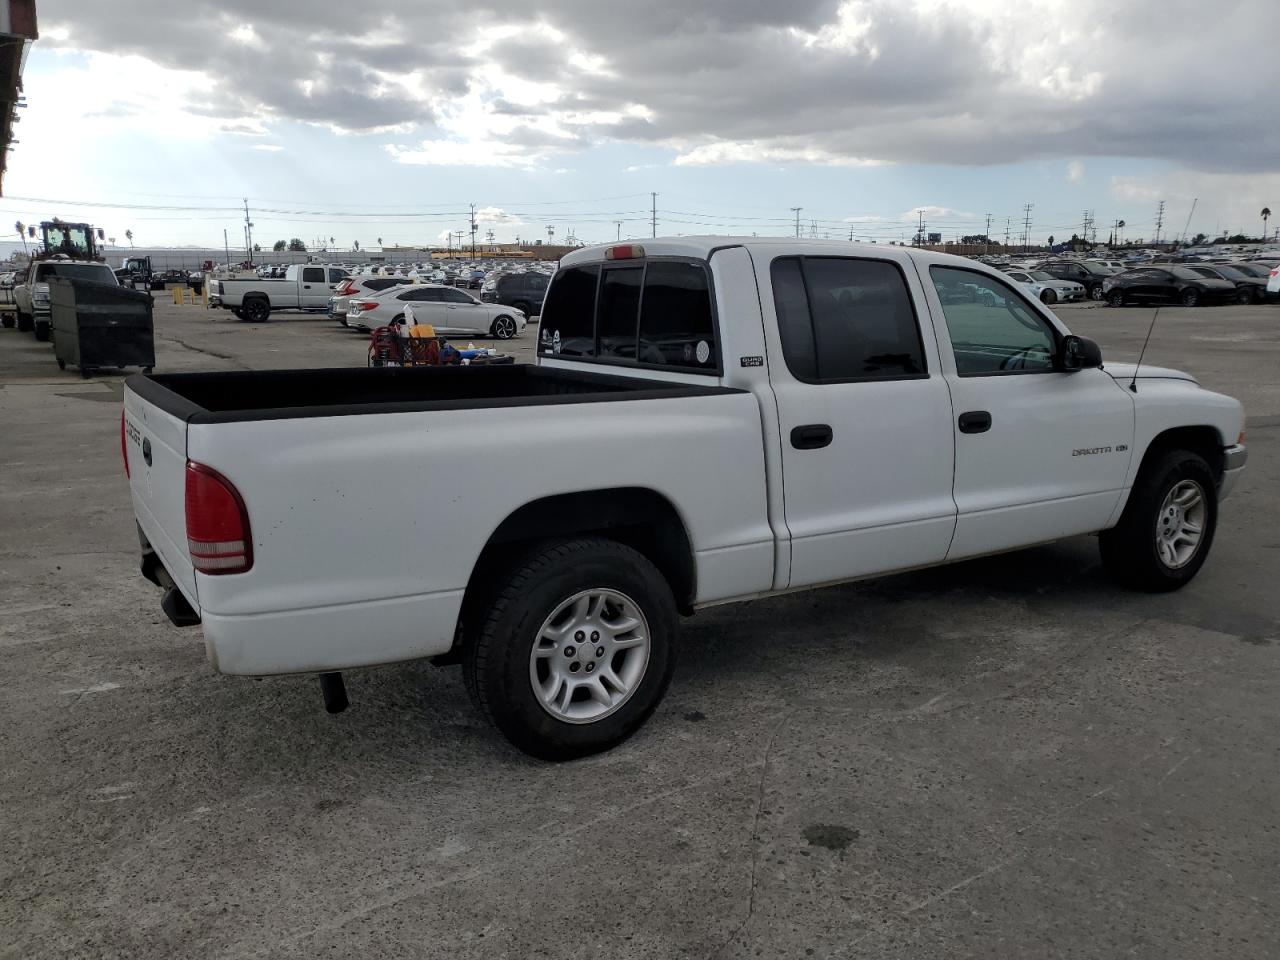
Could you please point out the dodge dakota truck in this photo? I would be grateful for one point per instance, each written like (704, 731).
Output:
(708, 420)
(304, 286)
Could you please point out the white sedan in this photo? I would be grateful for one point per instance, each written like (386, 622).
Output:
(451, 311)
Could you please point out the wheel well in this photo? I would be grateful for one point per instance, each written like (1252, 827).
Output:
(642, 519)
(1204, 440)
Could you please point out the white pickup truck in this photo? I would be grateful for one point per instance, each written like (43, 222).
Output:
(709, 420)
(304, 287)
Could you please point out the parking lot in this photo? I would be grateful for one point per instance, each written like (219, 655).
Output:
(1008, 757)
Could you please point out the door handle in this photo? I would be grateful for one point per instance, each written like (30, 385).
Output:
(811, 436)
(975, 421)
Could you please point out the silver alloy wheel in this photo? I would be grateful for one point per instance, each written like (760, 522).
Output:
(589, 656)
(1180, 524)
(504, 328)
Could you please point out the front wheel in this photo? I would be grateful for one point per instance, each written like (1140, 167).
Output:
(504, 328)
(573, 649)
(42, 330)
(1095, 292)
(1048, 297)
(1244, 295)
(1166, 530)
(1116, 299)
(1190, 298)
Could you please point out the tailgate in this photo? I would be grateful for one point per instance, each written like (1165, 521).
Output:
(157, 446)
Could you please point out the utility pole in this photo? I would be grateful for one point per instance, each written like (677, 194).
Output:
(987, 235)
(473, 231)
(920, 228)
(1008, 226)
(226, 245)
(618, 224)
(1026, 225)
(851, 234)
(654, 221)
(796, 211)
(248, 232)
(1159, 221)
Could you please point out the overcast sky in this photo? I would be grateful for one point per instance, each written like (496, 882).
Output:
(567, 113)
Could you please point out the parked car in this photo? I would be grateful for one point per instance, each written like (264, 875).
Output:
(304, 287)
(636, 473)
(1273, 284)
(1087, 274)
(358, 287)
(524, 291)
(31, 295)
(1170, 283)
(1048, 287)
(451, 311)
(1249, 289)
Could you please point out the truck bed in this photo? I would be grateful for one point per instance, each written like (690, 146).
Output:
(283, 394)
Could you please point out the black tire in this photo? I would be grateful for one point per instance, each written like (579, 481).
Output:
(62, 364)
(8, 321)
(255, 310)
(504, 327)
(1129, 550)
(1189, 298)
(25, 322)
(41, 330)
(1116, 299)
(503, 627)
(1244, 296)
(1095, 292)
(1048, 297)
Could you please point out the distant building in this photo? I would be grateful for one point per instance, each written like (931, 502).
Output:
(17, 30)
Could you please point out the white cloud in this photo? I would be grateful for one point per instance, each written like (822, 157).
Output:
(934, 213)
(1075, 171)
(468, 153)
(758, 151)
(268, 147)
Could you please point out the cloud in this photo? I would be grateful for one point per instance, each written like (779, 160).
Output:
(1075, 171)
(934, 213)
(821, 82)
(268, 147)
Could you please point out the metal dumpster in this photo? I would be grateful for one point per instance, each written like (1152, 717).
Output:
(100, 325)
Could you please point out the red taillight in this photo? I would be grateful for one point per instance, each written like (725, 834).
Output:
(364, 305)
(124, 447)
(626, 251)
(218, 536)
(346, 288)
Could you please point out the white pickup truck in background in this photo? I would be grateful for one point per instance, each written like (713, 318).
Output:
(920, 408)
(305, 286)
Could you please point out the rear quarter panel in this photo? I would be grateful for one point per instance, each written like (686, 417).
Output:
(359, 509)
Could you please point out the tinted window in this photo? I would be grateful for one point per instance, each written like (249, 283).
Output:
(861, 323)
(676, 326)
(618, 312)
(568, 316)
(455, 296)
(420, 294)
(313, 274)
(336, 275)
(84, 271)
(381, 283)
(1185, 273)
(992, 329)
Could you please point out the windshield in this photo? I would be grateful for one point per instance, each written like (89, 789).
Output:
(1231, 273)
(1040, 275)
(84, 271)
(1185, 273)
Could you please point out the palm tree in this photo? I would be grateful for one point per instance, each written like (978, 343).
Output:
(128, 235)
(355, 244)
(1266, 215)
(379, 241)
(1119, 227)
(332, 241)
(22, 234)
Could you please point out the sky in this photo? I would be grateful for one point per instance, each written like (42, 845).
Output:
(161, 116)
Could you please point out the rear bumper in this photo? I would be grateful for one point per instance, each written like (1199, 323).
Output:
(336, 637)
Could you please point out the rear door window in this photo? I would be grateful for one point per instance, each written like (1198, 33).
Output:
(313, 274)
(843, 319)
(677, 328)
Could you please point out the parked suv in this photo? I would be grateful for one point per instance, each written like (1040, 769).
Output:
(31, 296)
(524, 291)
(1089, 275)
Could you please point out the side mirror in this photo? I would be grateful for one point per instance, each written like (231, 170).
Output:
(1079, 353)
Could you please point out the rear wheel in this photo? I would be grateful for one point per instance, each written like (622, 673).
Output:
(504, 327)
(524, 306)
(24, 322)
(1048, 296)
(42, 330)
(1116, 299)
(1190, 298)
(1244, 295)
(573, 649)
(1166, 530)
(256, 310)
(8, 321)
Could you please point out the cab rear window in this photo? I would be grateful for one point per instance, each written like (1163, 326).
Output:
(655, 313)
